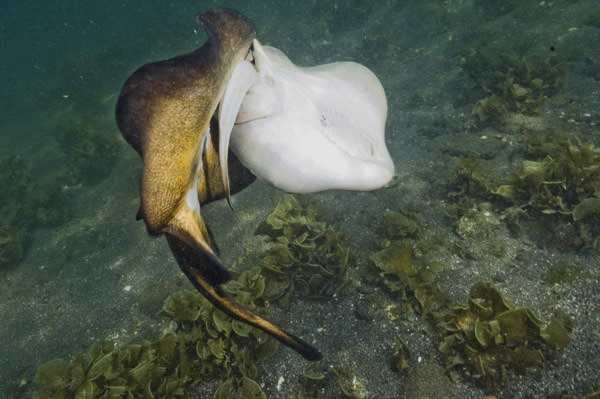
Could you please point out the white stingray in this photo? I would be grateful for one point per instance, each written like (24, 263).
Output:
(306, 129)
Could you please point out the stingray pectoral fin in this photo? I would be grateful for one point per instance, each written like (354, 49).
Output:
(223, 301)
(242, 78)
(265, 96)
(267, 59)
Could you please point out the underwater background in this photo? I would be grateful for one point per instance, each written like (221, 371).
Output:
(475, 272)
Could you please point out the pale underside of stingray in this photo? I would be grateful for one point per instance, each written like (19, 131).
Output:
(305, 129)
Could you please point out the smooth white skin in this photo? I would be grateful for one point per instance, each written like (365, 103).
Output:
(312, 129)
(243, 77)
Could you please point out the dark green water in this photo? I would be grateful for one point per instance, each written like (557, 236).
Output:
(75, 267)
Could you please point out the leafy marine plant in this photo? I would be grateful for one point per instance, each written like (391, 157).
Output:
(401, 354)
(24, 205)
(559, 185)
(305, 256)
(468, 177)
(136, 371)
(406, 276)
(240, 388)
(401, 225)
(563, 271)
(212, 342)
(203, 343)
(560, 178)
(504, 82)
(487, 337)
(340, 378)
(16, 183)
(563, 179)
(90, 150)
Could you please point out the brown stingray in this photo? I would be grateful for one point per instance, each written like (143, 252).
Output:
(164, 112)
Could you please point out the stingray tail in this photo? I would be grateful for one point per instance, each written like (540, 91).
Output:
(225, 302)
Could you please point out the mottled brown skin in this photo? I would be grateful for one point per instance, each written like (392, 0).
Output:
(210, 186)
(165, 109)
(164, 112)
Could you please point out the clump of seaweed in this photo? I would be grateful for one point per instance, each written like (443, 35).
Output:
(504, 82)
(403, 263)
(24, 204)
(341, 378)
(315, 379)
(468, 182)
(564, 179)
(471, 189)
(396, 264)
(242, 388)
(204, 343)
(401, 225)
(487, 337)
(48, 205)
(211, 341)
(403, 276)
(401, 355)
(468, 178)
(16, 183)
(563, 271)
(12, 241)
(305, 256)
(90, 150)
(136, 371)
(558, 180)
(561, 184)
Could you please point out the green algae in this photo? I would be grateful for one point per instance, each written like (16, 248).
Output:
(405, 276)
(588, 207)
(24, 205)
(506, 83)
(90, 150)
(491, 337)
(202, 343)
(305, 256)
(564, 179)
(16, 183)
(131, 372)
(594, 395)
(562, 272)
(212, 341)
(240, 388)
(314, 380)
(349, 385)
(90, 154)
(560, 186)
(487, 338)
(401, 355)
(396, 265)
(561, 176)
(469, 179)
(401, 225)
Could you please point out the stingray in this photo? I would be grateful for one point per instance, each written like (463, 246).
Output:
(167, 111)
(307, 129)
(164, 111)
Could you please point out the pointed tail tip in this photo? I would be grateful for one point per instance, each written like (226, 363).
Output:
(310, 353)
(305, 349)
